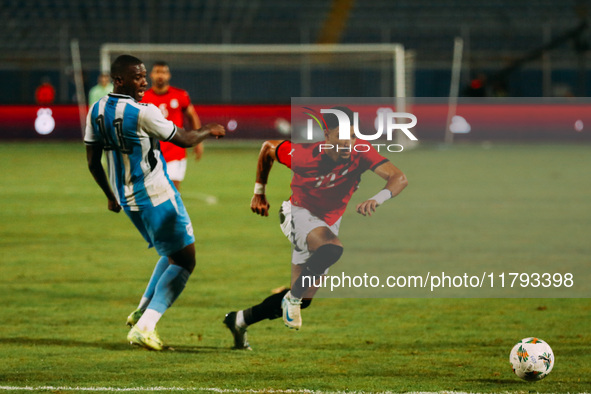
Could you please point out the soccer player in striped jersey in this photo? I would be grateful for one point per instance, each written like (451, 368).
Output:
(322, 184)
(129, 132)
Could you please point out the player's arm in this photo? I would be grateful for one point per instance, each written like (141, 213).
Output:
(267, 157)
(395, 182)
(93, 157)
(190, 138)
(156, 125)
(195, 123)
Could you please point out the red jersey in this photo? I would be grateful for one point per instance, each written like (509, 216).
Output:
(173, 104)
(321, 185)
(283, 152)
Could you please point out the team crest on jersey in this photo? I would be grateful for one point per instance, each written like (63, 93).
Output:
(190, 229)
(164, 110)
(174, 103)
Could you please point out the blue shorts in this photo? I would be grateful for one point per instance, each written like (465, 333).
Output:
(166, 227)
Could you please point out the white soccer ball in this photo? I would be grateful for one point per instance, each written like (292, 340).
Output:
(532, 359)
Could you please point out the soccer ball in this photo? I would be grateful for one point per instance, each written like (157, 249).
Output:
(532, 359)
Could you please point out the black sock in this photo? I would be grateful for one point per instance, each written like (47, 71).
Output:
(306, 303)
(298, 289)
(324, 257)
(270, 309)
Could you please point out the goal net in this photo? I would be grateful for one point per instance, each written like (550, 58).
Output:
(234, 73)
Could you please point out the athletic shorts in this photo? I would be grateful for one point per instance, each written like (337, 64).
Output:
(176, 169)
(167, 227)
(296, 224)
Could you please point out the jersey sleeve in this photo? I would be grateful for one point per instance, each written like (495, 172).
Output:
(89, 136)
(372, 158)
(283, 153)
(155, 124)
(184, 99)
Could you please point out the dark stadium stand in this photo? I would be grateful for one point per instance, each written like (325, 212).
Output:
(36, 33)
(35, 29)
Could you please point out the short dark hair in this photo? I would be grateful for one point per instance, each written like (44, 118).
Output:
(332, 122)
(160, 63)
(122, 63)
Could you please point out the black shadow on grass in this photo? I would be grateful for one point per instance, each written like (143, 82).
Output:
(505, 382)
(517, 381)
(62, 342)
(200, 349)
(118, 346)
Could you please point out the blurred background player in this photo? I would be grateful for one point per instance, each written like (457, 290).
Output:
(128, 132)
(102, 88)
(175, 105)
(312, 216)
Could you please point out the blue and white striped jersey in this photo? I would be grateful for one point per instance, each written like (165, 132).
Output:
(129, 132)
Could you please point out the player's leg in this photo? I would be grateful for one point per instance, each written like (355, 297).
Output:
(305, 275)
(316, 248)
(325, 250)
(176, 170)
(296, 272)
(269, 308)
(237, 322)
(171, 284)
(139, 221)
(159, 269)
(172, 235)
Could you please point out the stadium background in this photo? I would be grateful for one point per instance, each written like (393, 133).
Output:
(35, 39)
(511, 48)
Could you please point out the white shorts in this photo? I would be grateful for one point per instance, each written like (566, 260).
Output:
(176, 169)
(296, 226)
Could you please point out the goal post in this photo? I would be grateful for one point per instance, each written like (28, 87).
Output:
(382, 70)
(454, 88)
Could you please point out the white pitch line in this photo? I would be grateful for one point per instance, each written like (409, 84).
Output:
(125, 389)
(207, 198)
(213, 389)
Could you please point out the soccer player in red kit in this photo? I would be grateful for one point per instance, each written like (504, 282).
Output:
(325, 176)
(175, 105)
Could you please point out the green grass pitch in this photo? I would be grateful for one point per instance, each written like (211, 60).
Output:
(71, 272)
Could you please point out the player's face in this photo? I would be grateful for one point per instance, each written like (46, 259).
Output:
(342, 150)
(104, 80)
(160, 76)
(133, 82)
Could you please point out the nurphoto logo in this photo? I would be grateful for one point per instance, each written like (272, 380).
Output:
(386, 123)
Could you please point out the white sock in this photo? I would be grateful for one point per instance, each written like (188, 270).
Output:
(149, 320)
(144, 303)
(240, 319)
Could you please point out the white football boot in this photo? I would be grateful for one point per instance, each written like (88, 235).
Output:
(291, 306)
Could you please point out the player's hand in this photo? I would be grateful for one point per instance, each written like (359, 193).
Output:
(114, 206)
(367, 207)
(215, 129)
(198, 150)
(259, 205)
